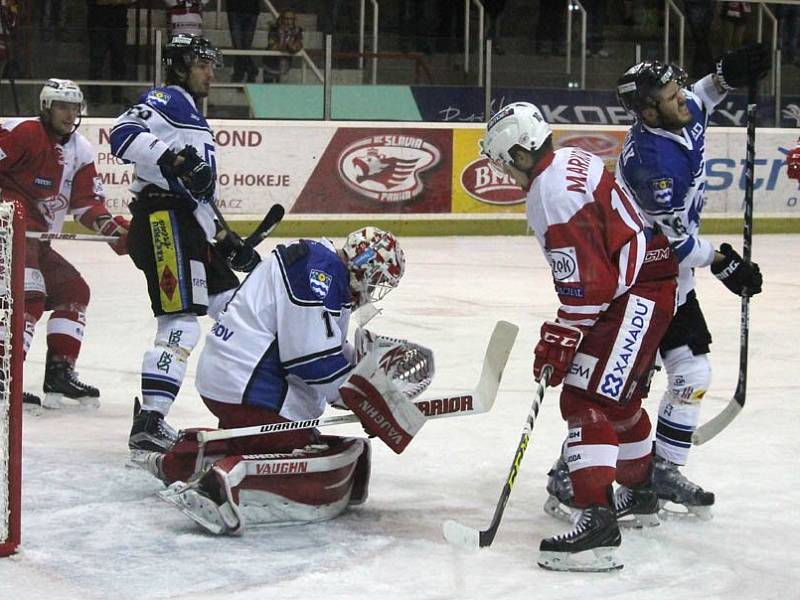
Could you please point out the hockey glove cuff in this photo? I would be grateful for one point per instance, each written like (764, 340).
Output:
(739, 276)
(238, 255)
(556, 348)
(117, 226)
(745, 65)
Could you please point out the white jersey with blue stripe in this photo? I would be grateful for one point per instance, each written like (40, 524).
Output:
(165, 118)
(281, 342)
(665, 173)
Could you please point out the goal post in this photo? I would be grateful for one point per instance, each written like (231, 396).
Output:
(12, 270)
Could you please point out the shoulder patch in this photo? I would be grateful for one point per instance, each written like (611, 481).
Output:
(158, 97)
(320, 282)
(662, 190)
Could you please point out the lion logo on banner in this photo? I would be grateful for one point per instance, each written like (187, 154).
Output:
(387, 167)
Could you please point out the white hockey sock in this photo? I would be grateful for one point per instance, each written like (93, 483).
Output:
(164, 365)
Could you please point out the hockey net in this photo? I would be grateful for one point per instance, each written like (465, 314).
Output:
(12, 268)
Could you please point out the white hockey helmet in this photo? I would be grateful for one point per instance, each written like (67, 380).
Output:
(516, 124)
(63, 90)
(375, 262)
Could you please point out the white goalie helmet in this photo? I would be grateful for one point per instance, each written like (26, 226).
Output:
(516, 124)
(63, 90)
(376, 263)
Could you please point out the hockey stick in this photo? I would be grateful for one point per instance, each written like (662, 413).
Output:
(265, 228)
(76, 237)
(480, 400)
(461, 535)
(709, 430)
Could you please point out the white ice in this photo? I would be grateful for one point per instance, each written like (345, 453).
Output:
(93, 529)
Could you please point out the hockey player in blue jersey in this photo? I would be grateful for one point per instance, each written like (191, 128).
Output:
(174, 238)
(663, 165)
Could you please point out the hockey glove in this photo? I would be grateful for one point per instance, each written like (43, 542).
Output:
(238, 255)
(745, 65)
(556, 348)
(193, 172)
(793, 164)
(115, 226)
(739, 276)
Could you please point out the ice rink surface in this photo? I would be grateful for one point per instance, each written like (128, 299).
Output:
(94, 529)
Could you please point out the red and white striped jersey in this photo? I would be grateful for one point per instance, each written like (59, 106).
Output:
(589, 230)
(49, 178)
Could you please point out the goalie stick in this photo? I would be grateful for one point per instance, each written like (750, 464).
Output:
(479, 400)
(461, 535)
(709, 430)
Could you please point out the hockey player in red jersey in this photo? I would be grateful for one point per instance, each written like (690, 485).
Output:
(793, 163)
(616, 283)
(48, 168)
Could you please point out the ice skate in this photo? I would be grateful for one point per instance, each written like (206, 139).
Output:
(148, 461)
(589, 546)
(560, 499)
(208, 502)
(61, 381)
(672, 486)
(636, 508)
(150, 431)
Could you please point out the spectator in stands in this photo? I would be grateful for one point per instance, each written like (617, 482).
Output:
(242, 20)
(107, 27)
(735, 16)
(54, 18)
(596, 22)
(185, 16)
(494, 8)
(284, 36)
(789, 19)
(411, 14)
(700, 15)
(550, 27)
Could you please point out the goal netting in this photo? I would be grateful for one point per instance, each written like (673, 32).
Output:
(12, 266)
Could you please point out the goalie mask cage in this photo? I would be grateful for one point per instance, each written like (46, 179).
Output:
(12, 269)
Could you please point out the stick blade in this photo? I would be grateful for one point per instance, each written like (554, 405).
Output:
(497, 353)
(266, 227)
(460, 535)
(709, 430)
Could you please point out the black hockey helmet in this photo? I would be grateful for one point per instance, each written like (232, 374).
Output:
(638, 87)
(183, 49)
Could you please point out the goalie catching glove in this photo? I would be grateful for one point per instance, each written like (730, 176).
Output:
(380, 388)
(556, 348)
(741, 277)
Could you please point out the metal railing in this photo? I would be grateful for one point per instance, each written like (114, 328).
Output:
(481, 35)
(669, 7)
(361, 28)
(575, 6)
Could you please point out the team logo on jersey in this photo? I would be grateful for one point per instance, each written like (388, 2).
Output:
(662, 190)
(625, 352)
(564, 264)
(158, 96)
(320, 282)
(489, 186)
(387, 167)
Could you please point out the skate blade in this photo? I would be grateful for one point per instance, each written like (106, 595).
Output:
(554, 508)
(596, 560)
(674, 510)
(52, 400)
(639, 521)
(200, 509)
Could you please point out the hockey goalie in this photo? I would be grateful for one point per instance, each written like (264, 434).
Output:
(278, 353)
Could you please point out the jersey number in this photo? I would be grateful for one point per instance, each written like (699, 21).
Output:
(326, 317)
